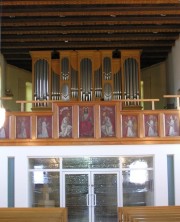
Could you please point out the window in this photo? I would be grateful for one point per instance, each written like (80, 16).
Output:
(137, 175)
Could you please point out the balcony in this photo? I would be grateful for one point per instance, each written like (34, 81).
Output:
(55, 123)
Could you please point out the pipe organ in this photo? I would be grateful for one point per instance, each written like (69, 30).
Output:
(86, 75)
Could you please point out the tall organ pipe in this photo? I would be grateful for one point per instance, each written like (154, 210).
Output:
(131, 84)
(41, 79)
(131, 78)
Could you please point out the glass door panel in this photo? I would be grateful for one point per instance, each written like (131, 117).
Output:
(105, 197)
(91, 197)
(77, 197)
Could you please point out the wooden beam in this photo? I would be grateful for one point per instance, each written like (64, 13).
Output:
(88, 2)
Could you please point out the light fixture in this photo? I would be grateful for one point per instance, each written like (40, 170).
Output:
(113, 15)
(138, 172)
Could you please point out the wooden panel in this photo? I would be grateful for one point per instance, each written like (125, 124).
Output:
(149, 213)
(33, 214)
(158, 120)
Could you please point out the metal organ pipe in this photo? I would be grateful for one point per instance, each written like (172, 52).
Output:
(74, 83)
(35, 81)
(126, 79)
(98, 83)
(131, 79)
(41, 80)
(117, 85)
(47, 82)
(65, 77)
(137, 81)
(134, 78)
(107, 76)
(120, 84)
(107, 68)
(44, 81)
(55, 86)
(86, 79)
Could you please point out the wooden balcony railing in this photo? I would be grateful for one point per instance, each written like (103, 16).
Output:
(98, 122)
(176, 97)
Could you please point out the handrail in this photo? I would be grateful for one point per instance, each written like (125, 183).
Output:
(6, 98)
(174, 96)
(142, 100)
(22, 102)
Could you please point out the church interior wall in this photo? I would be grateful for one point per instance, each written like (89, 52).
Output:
(21, 155)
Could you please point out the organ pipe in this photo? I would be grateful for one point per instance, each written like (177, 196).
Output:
(99, 72)
(86, 79)
(41, 80)
(131, 79)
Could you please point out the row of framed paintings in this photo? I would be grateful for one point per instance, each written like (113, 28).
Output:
(87, 124)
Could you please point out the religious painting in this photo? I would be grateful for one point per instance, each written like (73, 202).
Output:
(130, 126)
(86, 121)
(65, 121)
(23, 127)
(4, 130)
(107, 114)
(151, 125)
(44, 126)
(171, 125)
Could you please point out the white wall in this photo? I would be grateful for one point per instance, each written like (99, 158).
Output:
(22, 154)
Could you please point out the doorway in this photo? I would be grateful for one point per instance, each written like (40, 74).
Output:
(91, 196)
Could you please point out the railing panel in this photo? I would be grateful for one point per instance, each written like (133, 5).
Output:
(98, 122)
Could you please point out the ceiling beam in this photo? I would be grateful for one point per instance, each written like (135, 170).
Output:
(87, 2)
(105, 11)
(87, 22)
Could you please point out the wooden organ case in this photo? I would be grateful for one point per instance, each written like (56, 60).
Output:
(89, 75)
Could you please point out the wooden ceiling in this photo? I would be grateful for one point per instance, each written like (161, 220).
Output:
(27, 25)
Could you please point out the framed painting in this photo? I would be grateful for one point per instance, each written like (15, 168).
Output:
(23, 127)
(171, 124)
(130, 125)
(44, 126)
(4, 130)
(65, 121)
(107, 114)
(86, 121)
(151, 125)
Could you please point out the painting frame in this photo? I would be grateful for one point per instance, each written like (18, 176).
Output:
(5, 129)
(65, 121)
(107, 121)
(130, 125)
(23, 127)
(171, 125)
(151, 125)
(86, 121)
(44, 125)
